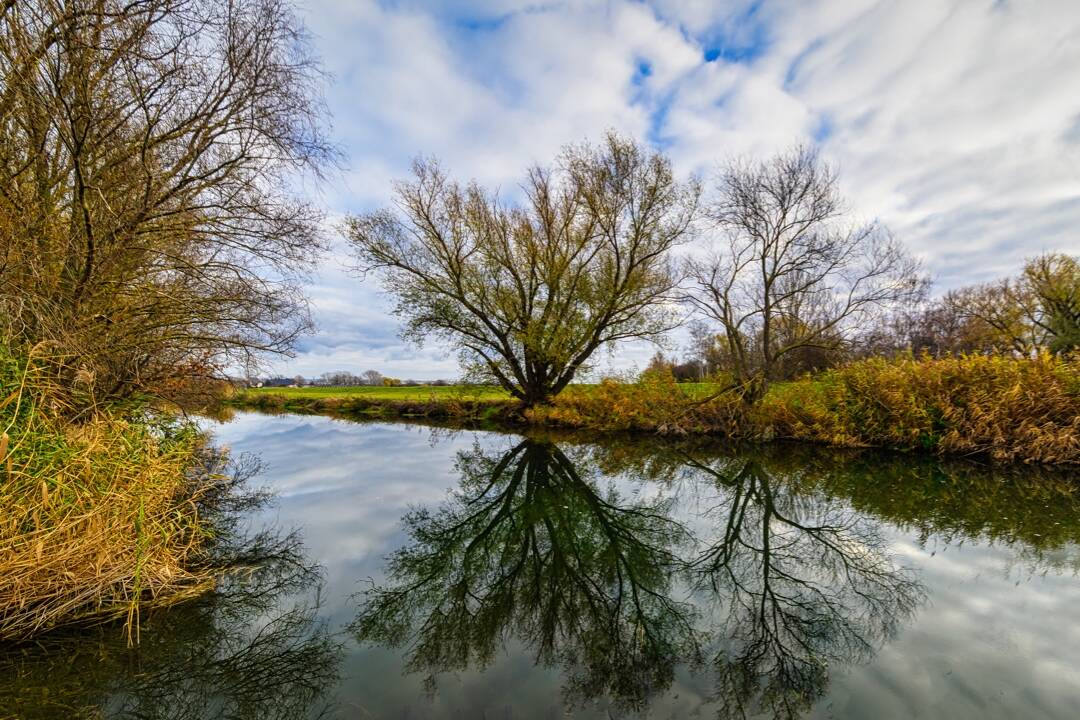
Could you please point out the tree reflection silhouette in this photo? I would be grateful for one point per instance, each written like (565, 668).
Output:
(805, 583)
(779, 586)
(529, 547)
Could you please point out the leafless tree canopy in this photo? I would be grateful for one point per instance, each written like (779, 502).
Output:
(787, 273)
(810, 585)
(145, 148)
(530, 292)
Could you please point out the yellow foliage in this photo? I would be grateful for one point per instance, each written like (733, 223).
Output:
(1007, 408)
(100, 517)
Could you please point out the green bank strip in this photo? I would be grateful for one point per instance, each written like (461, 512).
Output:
(1005, 409)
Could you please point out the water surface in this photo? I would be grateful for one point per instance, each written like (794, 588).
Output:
(440, 574)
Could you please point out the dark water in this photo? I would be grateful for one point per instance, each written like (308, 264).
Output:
(482, 575)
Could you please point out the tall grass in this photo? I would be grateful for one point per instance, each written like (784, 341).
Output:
(655, 403)
(1005, 408)
(100, 516)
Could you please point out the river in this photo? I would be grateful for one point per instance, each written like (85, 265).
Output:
(419, 572)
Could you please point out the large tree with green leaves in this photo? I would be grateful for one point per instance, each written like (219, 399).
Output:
(528, 292)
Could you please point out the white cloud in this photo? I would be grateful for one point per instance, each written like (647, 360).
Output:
(956, 123)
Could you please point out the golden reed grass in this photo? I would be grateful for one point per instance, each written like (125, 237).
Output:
(1005, 408)
(1008, 409)
(100, 517)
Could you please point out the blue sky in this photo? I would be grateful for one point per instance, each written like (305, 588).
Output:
(955, 123)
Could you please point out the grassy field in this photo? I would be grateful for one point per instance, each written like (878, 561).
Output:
(424, 392)
(1008, 409)
(429, 392)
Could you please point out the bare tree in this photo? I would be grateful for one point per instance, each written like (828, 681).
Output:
(789, 274)
(809, 585)
(372, 377)
(145, 148)
(528, 293)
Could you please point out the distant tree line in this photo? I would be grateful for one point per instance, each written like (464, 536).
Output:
(1036, 311)
(341, 378)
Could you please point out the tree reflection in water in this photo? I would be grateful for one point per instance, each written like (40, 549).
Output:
(240, 652)
(529, 546)
(803, 583)
(782, 586)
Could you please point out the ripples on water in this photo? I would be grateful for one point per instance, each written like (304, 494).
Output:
(471, 574)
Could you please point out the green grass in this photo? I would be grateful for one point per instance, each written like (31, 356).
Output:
(428, 392)
(1004, 408)
(420, 393)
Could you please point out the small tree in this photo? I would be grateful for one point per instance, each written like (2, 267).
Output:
(529, 292)
(373, 377)
(659, 364)
(790, 276)
(1039, 309)
(1054, 280)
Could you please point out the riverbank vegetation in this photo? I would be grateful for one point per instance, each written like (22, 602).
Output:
(147, 242)
(805, 322)
(100, 516)
(1003, 408)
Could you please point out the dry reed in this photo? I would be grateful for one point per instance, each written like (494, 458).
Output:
(100, 516)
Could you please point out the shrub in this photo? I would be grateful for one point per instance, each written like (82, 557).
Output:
(656, 403)
(1007, 408)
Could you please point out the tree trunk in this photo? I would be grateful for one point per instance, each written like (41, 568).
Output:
(753, 388)
(538, 395)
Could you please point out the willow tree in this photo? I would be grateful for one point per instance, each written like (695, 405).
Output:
(528, 292)
(145, 148)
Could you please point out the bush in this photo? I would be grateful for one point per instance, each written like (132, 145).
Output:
(656, 403)
(1007, 408)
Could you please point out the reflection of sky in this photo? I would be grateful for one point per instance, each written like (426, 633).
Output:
(998, 639)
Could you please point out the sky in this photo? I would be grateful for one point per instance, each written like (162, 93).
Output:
(954, 123)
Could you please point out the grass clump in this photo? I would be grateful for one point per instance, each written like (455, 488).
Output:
(102, 515)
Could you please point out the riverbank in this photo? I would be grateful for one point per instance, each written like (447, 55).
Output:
(104, 516)
(1002, 408)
